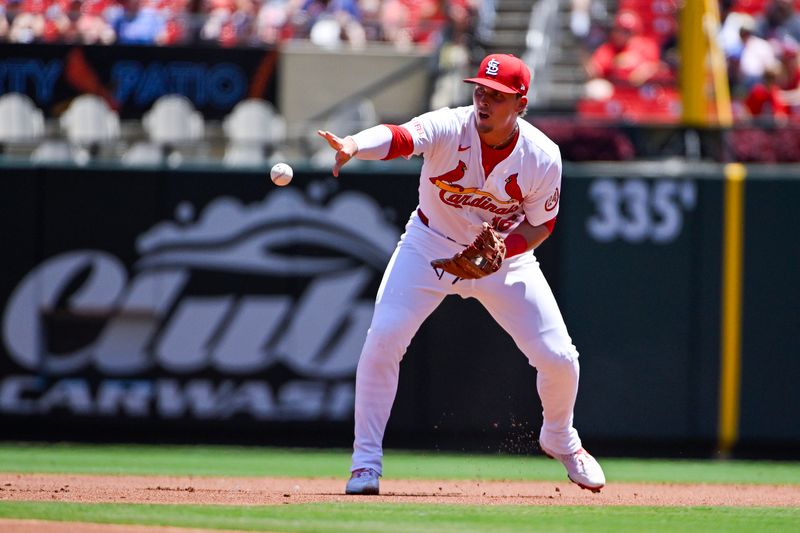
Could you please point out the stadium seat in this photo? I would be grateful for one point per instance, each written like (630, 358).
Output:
(20, 120)
(176, 128)
(173, 120)
(143, 153)
(652, 104)
(89, 121)
(56, 151)
(254, 129)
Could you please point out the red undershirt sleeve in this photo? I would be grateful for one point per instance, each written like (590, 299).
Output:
(402, 142)
(516, 243)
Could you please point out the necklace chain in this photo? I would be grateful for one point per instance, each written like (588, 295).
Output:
(500, 144)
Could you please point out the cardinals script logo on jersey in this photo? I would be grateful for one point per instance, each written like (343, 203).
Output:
(458, 196)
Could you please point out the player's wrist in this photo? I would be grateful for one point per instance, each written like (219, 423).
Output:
(351, 146)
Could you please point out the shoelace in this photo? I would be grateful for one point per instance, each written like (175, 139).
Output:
(578, 458)
(579, 455)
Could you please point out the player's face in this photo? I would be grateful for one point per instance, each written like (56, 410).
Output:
(495, 111)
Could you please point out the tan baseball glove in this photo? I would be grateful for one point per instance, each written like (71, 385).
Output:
(481, 258)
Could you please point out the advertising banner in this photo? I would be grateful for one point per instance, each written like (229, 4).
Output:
(202, 297)
(131, 78)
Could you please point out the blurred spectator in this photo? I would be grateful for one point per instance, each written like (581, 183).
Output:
(229, 22)
(461, 16)
(779, 23)
(790, 81)
(371, 19)
(3, 22)
(91, 24)
(240, 27)
(627, 58)
(413, 22)
(176, 24)
(580, 20)
(757, 56)
(583, 18)
(28, 25)
(272, 22)
(730, 40)
(141, 23)
(331, 22)
(454, 55)
(59, 21)
(788, 58)
(217, 13)
(114, 12)
(765, 98)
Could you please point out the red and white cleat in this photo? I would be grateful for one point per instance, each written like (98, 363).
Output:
(363, 481)
(582, 468)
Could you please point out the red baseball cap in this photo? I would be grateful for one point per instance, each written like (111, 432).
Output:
(503, 72)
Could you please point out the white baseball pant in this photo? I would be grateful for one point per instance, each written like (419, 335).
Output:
(519, 299)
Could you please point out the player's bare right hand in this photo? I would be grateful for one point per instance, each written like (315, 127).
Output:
(345, 148)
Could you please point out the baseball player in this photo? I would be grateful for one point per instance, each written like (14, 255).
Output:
(486, 172)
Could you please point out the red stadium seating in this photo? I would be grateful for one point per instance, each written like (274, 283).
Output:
(754, 7)
(652, 104)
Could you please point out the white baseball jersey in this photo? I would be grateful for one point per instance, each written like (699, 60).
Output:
(457, 197)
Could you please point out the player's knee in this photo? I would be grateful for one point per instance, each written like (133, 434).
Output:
(389, 335)
(380, 345)
(563, 364)
(551, 352)
(555, 362)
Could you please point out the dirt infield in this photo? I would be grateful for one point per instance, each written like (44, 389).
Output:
(277, 491)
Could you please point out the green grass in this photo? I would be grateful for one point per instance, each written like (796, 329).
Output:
(384, 517)
(240, 461)
(334, 518)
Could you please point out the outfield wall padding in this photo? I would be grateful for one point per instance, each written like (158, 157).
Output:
(204, 304)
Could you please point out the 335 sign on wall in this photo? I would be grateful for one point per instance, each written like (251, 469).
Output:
(639, 210)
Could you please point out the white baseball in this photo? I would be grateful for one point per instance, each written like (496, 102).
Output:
(281, 174)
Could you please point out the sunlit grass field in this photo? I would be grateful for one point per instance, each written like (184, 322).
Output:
(390, 517)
